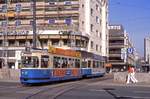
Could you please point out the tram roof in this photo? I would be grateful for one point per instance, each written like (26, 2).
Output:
(85, 54)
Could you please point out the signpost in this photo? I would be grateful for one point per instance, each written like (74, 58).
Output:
(124, 53)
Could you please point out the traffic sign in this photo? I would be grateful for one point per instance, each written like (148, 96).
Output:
(130, 50)
(123, 50)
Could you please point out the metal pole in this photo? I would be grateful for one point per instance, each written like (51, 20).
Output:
(34, 23)
(5, 37)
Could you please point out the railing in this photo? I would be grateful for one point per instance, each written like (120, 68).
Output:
(111, 44)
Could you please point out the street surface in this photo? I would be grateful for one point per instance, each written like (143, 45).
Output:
(98, 88)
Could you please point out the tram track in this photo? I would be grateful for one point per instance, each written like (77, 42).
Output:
(52, 92)
(46, 91)
(83, 85)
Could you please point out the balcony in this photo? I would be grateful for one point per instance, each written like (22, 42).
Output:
(115, 55)
(116, 38)
(116, 43)
(116, 35)
(116, 46)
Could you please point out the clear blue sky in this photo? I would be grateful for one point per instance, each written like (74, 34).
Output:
(134, 15)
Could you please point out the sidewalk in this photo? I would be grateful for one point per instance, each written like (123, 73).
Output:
(111, 82)
(13, 81)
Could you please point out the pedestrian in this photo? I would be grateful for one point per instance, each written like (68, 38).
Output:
(133, 75)
(130, 75)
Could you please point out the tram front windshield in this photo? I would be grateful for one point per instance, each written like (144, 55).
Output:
(30, 61)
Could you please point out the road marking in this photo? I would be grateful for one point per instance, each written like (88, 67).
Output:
(134, 97)
(10, 86)
(147, 92)
(98, 90)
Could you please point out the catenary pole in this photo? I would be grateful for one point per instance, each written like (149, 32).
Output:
(34, 23)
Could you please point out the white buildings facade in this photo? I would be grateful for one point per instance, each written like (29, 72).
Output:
(88, 19)
(147, 49)
(93, 21)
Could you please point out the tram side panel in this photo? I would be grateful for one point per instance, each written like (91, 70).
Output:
(66, 73)
(35, 75)
(32, 76)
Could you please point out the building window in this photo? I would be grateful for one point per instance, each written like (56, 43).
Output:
(82, 22)
(44, 42)
(65, 41)
(100, 10)
(51, 21)
(100, 21)
(51, 3)
(96, 47)
(91, 12)
(100, 48)
(11, 43)
(82, 5)
(97, 7)
(100, 35)
(68, 21)
(67, 2)
(97, 19)
(31, 22)
(17, 23)
(92, 27)
(97, 34)
(55, 42)
(92, 44)
(1, 43)
(21, 43)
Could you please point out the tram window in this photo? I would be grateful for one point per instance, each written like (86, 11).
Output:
(77, 63)
(64, 63)
(89, 64)
(70, 63)
(35, 62)
(30, 61)
(84, 63)
(94, 64)
(100, 63)
(44, 61)
(56, 62)
(103, 64)
(97, 65)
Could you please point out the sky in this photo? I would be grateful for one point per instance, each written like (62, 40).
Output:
(134, 15)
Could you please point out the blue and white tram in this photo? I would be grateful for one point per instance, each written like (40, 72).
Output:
(41, 66)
